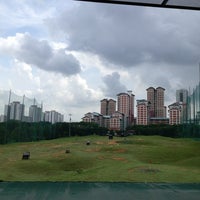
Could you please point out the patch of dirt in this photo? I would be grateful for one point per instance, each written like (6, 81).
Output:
(57, 154)
(99, 142)
(56, 146)
(119, 159)
(144, 170)
(112, 142)
(120, 151)
(101, 157)
(150, 170)
(93, 150)
(140, 139)
(73, 143)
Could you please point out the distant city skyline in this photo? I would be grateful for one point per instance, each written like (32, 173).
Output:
(152, 110)
(117, 115)
(14, 109)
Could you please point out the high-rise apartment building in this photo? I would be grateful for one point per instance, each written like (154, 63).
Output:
(142, 112)
(175, 111)
(151, 99)
(181, 95)
(14, 111)
(2, 118)
(53, 117)
(108, 107)
(160, 108)
(156, 100)
(125, 105)
(7, 112)
(35, 113)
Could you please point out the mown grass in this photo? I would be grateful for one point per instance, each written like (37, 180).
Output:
(130, 159)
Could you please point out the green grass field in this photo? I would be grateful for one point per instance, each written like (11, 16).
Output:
(129, 159)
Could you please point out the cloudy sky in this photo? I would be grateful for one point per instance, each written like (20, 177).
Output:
(72, 54)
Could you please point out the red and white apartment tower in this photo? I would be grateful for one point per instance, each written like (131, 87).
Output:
(125, 105)
(142, 112)
(156, 99)
(175, 113)
(108, 107)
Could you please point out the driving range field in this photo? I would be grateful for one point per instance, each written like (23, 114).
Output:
(121, 159)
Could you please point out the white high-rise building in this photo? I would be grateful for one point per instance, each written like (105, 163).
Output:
(7, 112)
(35, 113)
(53, 117)
(2, 118)
(15, 111)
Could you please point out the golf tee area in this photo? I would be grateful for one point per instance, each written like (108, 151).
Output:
(147, 159)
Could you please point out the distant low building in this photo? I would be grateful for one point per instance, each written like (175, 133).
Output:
(53, 117)
(106, 121)
(112, 122)
(92, 117)
(158, 120)
(117, 122)
(27, 119)
(2, 118)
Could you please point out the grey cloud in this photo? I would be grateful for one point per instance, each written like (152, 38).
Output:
(113, 85)
(33, 51)
(41, 54)
(65, 63)
(128, 36)
(164, 82)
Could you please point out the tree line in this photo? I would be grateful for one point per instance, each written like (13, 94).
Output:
(174, 131)
(17, 131)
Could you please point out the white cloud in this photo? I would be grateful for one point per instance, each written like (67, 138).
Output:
(9, 45)
(68, 95)
(31, 14)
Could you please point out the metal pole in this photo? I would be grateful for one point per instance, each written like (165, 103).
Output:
(70, 124)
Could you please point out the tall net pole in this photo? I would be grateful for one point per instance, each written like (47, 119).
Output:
(70, 124)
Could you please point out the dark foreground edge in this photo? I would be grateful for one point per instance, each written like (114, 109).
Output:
(97, 191)
(176, 4)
